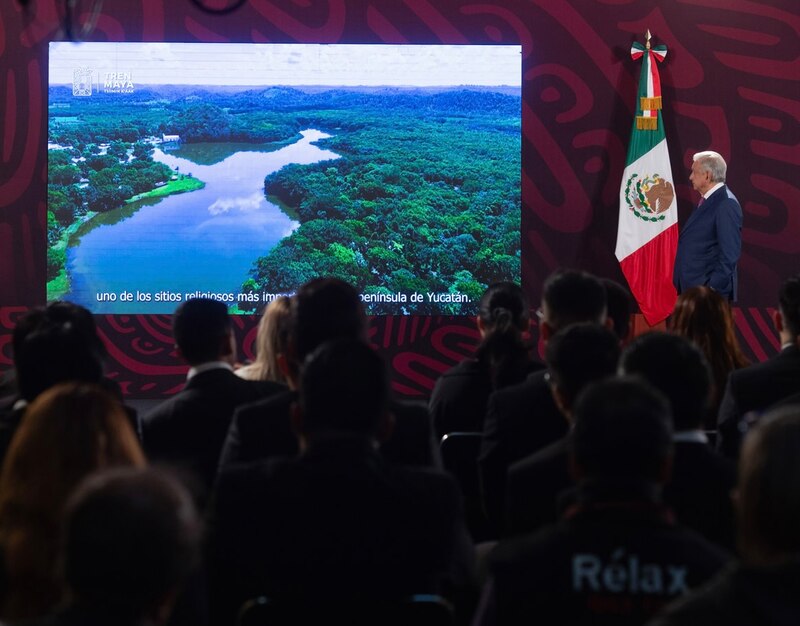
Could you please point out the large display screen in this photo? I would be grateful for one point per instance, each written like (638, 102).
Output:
(240, 171)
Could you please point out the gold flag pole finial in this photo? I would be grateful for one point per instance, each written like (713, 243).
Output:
(647, 44)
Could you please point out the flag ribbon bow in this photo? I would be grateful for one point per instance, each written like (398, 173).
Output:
(650, 100)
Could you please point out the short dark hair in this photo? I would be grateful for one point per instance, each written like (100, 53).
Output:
(677, 368)
(573, 296)
(769, 487)
(621, 430)
(130, 537)
(789, 302)
(199, 327)
(619, 303)
(344, 387)
(580, 354)
(55, 344)
(324, 309)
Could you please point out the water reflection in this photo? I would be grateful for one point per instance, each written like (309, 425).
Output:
(203, 240)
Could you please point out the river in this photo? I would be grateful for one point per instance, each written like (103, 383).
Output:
(205, 240)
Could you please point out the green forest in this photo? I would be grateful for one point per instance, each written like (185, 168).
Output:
(424, 198)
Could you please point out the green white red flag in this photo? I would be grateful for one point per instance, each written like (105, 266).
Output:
(647, 234)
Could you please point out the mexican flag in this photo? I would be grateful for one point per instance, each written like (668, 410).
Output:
(647, 235)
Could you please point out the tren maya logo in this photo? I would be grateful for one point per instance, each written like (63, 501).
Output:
(82, 82)
(649, 196)
(117, 82)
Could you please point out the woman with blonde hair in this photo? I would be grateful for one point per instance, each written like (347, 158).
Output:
(270, 342)
(704, 317)
(68, 432)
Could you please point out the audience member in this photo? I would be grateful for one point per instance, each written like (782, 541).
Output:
(188, 429)
(131, 537)
(50, 345)
(764, 586)
(620, 306)
(336, 524)
(616, 556)
(756, 388)
(458, 401)
(270, 343)
(68, 431)
(699, 489)
(323, 309)
(576, 356)
(524, 418)
(704, 317)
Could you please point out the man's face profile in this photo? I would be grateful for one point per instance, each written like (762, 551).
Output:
(700, 178)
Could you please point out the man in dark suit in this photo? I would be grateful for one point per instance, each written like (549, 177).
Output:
(524, 418)
(337, 525)
(188, 430)
(702, 479)
(576, 356)
(710, 241)
(753, 389)
(323, 309)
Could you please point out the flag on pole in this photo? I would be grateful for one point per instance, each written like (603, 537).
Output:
(647, 235)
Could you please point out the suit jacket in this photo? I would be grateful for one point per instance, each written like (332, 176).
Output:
(459, 398)
(519, 421)
(709, 245)
(337, 522)
(188, 430)
(699, 492)
(262, 429)
(755, 388)
(533, 488)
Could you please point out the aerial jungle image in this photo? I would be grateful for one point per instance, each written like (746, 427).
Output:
(240, 171)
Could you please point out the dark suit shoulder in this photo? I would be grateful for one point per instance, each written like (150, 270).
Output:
(553, 453)
(534, 485)
(763, 384)
(699, 491)
(260, 430)
(413, 442)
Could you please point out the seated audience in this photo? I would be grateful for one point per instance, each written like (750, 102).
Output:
(188, 429)
(131, 538)
(270, 343)
(337, 524)
(754, 389)
(699, 489)
(616, 556)
(323, 309)
(69, 431)
(524, 418)
(764, 586)
(458, 401)
(704, 317)
(576, 356)
(51, 344)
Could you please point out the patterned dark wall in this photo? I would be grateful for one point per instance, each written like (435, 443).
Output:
(731, 82)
